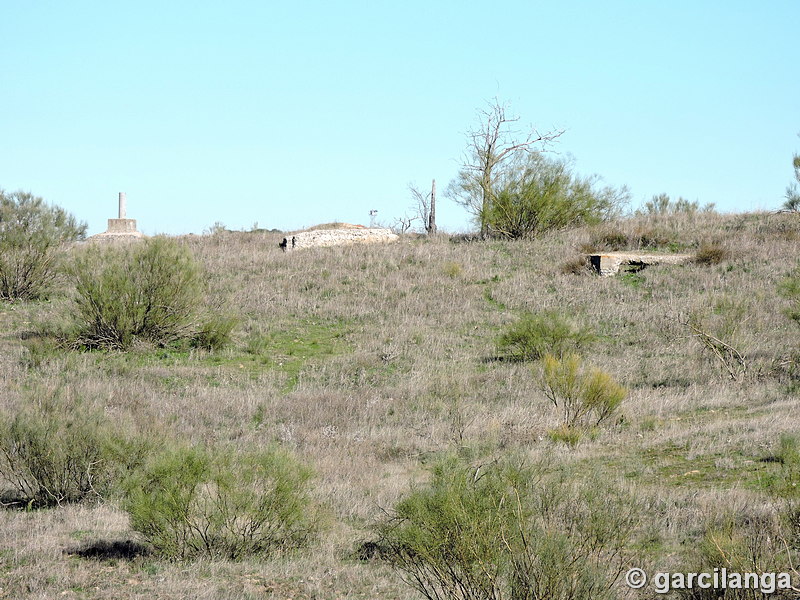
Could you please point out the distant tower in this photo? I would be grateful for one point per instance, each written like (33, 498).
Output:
(372, 215)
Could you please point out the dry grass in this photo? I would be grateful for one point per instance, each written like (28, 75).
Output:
(370, 361)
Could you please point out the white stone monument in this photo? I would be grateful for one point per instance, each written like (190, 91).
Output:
(121, 227)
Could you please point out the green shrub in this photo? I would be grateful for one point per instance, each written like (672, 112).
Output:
(566, 434)
(31, 233)
(505, 530)
(743, 543)
(538, 194)
(585, 397)
(215, 332)
(654, 238)
(579, 265)
(150, 291)
(453, 269)
(644, 236)
(196, 503)
(607, 238)
(790, 289)
(787, 484)
(535, 335)
(789, 450)
(711, 253)
(54, 452)
(663, 205)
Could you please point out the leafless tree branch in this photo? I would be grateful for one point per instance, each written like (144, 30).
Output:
(490, 144)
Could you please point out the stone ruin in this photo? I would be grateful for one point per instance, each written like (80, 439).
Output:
(610, 263)
(342, 234)
(121, 228)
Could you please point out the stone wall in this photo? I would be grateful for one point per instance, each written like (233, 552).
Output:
(609, 263)
(337, 237)
(118, 229)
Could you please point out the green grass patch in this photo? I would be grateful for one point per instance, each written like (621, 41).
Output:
(287, 347)
(290, 347)
(632, 278)
(493, 302)
(669, 466)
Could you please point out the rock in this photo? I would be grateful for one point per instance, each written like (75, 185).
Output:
(337, 237)
(610, 262)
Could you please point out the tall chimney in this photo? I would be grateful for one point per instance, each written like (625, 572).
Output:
(122, 201)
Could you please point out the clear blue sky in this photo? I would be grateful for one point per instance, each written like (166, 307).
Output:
(295, 113)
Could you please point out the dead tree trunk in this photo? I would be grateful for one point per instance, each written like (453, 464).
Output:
(431, 225)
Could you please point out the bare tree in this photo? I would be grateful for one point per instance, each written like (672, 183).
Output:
(430, 226)
(403, 224)
(425, 206)
(489, 146)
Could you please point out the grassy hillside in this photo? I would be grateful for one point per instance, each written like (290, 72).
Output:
(371, 362)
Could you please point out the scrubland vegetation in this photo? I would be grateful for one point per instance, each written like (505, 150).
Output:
(445, 418)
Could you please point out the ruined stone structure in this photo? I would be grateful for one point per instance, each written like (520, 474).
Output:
(352, 234)
(120, 228)
(609, 263)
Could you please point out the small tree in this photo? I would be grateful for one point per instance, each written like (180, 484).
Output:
(491, 145)
(31, 233)
(537, 194)
(585, 397)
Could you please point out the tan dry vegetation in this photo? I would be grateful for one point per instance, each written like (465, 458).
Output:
(371, 361)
